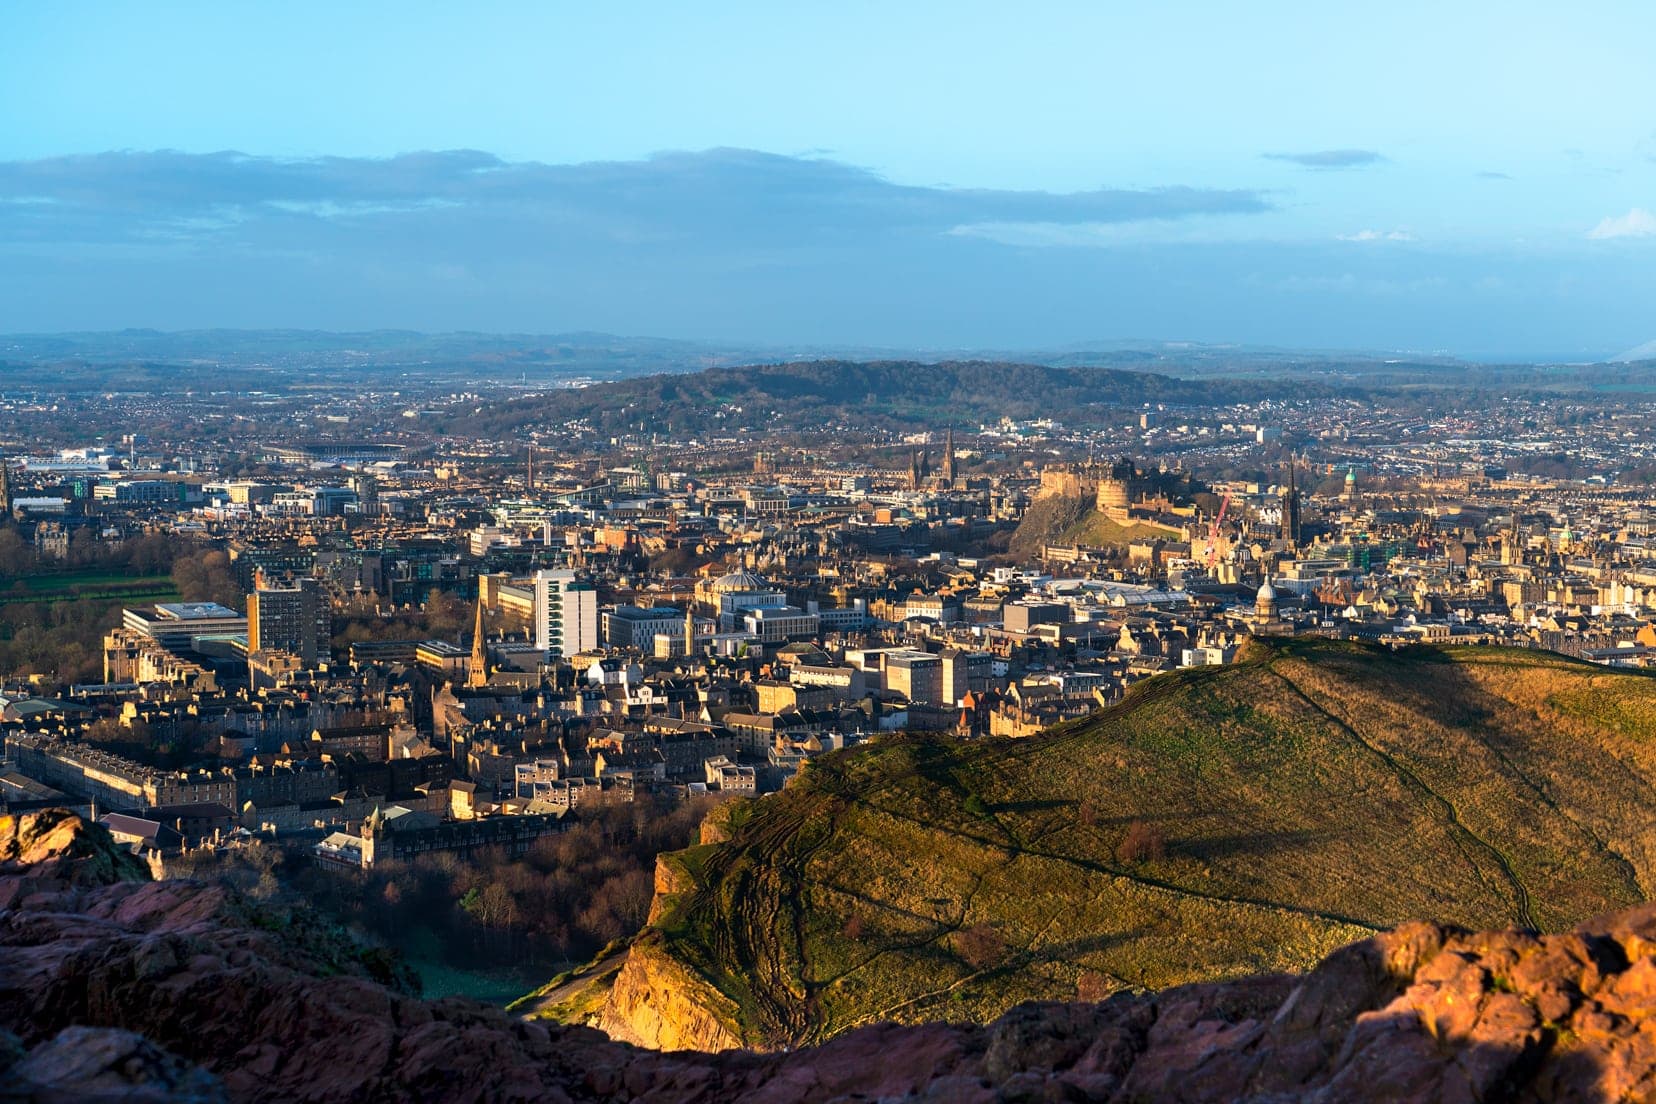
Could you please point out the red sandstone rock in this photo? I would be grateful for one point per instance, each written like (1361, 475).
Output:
(91, 1065)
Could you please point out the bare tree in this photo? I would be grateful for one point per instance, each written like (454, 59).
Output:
(495, 907)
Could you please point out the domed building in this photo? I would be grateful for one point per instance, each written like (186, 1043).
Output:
(710, 590)
(1265, 603)
(737, 582)
(730, 595)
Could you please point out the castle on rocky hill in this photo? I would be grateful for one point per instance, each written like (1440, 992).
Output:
(1119, 489)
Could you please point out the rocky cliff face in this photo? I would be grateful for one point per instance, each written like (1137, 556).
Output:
(655, 1001)
(56, 847)
(116, 989)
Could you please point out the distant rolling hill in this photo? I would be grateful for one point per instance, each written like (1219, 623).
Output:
(1218, 822)
(818, 393)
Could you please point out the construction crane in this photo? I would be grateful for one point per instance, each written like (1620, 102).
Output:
(1213, 532)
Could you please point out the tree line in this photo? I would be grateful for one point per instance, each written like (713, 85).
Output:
(558, 904)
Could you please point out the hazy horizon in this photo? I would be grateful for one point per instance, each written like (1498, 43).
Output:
(106, 341)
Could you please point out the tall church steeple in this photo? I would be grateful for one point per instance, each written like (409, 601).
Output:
(477, 675)
(948, 457)
(1291, 509)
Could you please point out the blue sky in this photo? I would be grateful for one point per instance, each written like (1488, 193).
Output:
(1480, 181)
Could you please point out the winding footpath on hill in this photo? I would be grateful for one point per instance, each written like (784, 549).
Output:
(118, 990)
(1309, 795)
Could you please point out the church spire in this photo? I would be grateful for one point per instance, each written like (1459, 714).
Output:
(1291, 508)
(477, 675)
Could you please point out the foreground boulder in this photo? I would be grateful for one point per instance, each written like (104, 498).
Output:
(96, 1065)
(116, 988)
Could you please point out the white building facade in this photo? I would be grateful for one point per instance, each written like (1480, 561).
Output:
(566, 613)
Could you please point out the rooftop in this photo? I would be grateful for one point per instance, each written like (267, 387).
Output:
(194, 611)
(738, 582)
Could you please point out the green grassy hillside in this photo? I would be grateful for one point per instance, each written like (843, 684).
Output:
(1097, 530)
(1218, 822)
(810, 395)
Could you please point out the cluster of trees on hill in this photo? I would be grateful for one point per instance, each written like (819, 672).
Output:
(205, 575)
(444, 616)
(146, 554)
(560, 903)
(62, 640)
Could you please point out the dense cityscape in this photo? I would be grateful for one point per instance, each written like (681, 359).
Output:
(827, 554)
(356, 635)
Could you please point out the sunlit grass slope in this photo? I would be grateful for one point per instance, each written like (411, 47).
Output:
(1293, 801)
